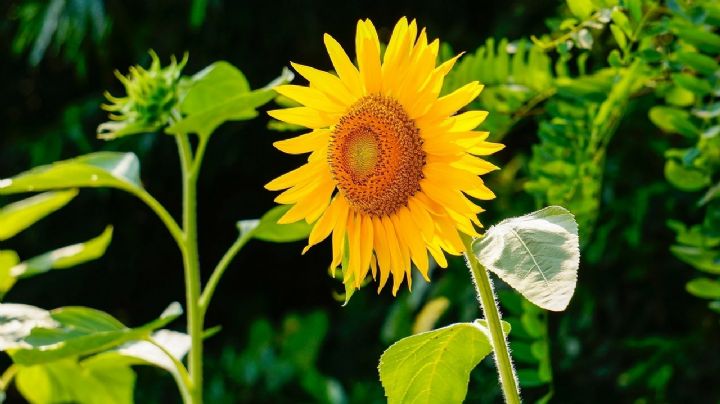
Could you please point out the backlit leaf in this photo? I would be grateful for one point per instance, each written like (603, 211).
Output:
(537, 254)
(704, 287)
(20, 215)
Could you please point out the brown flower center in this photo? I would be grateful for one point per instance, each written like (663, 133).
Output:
(376, 155)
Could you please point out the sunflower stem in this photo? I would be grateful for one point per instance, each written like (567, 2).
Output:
(192, 267)
(488, 303)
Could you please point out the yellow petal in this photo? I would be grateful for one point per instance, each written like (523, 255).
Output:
(367, 47)
(366, 245)
(382, 251)
(324, 226)
(304, 116)
(310, 97)
(305, 143)
(338, 235)
(413, 238)
(468, 120)
(296, 176)
(343, 66)
(328, 83)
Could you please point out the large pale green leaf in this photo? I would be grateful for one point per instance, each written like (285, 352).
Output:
(268, 229)
(217, 94)
(537, 254)
(8, 259)
(434, 366)
(70, 380)
(20, 215)
(65, 257)
(80, 331)
(102, 169)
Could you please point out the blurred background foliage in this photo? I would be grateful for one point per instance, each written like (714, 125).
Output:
(609, 109)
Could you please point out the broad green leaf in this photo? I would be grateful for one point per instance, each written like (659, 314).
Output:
(65, 257)
(537, 254)
(688, 179)
(102, 169)
(621, 20)
(680, 97)
(217, 94)
(581, 8)
(81, 331)
(20, 215)
(704, 287)
(619, 36)
(268, 229)
(673, 120)
(434, 367)
(700, 258)
(8, 259)
(83, 382)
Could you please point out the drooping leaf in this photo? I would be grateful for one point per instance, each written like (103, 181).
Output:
(434, 366)
(70, 380)
(18, 216)
(65, 257)
(537, 254)
(102, 169)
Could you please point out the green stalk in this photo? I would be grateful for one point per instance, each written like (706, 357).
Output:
(192, 267)
(488, 303)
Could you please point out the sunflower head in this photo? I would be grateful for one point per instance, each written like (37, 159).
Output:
(393, 172)
(151, 96)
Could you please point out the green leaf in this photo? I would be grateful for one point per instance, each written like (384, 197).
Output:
(622, 22)
(434, 367)
(692, 83)
(82, 382)
(704, 288)
(80, 331)
(20, 215)
(581, 8)
(700, 258)
(65, 257)
(673, 120)
(268, 229)
(217, 94)
(8, 259)
(680, 97)
(146, 353)
(701, 63)
(102, 169)
(537, 254)
(619, 36)
(688, 179)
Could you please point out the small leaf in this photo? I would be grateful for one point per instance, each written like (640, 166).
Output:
(700, 258)
(20, 215)
(619, 36)
(701, 63)
(621, 20)
(434, 367)
(268, 229)
(65, 257)
(537, 254)
(102, 169)
(692, 83)
(704, 288)
(673, 120)
(581, 8)
(688, 179)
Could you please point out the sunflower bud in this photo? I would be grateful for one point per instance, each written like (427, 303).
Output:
(151, 96)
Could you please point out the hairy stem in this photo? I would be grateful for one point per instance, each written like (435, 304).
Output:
(483, 286)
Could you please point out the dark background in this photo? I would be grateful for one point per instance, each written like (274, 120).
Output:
(630, 307)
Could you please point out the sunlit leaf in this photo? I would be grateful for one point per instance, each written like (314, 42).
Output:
(704, 288)
(81, 331)
(65, 257)
(84, 382)
(147, 353)
(700, 258)
(673, 120)
(686, 178)
(17, 320)
(8, 259)
(268, 229)
(581, 8)
(418, 368)
(20, 215)
(537, 254)
(102, 169)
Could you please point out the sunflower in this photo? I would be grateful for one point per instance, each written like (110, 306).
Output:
(391, 162)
